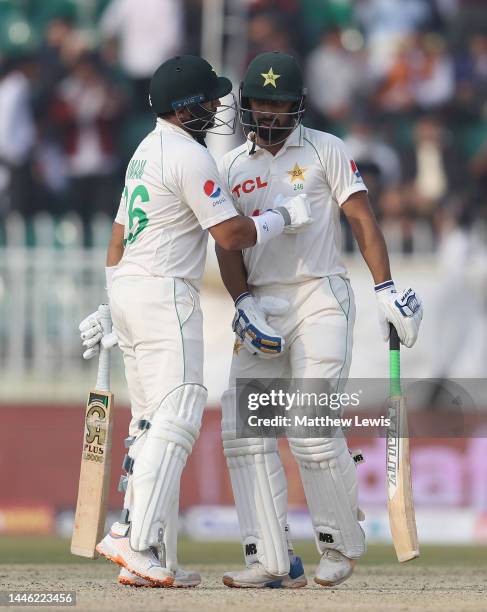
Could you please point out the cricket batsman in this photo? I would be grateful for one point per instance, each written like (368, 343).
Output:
(298, 285)
(172, 198)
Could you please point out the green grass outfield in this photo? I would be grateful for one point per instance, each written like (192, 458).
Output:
(33, 550)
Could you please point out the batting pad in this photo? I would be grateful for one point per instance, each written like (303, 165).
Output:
(260, 492)
(329, 479)
(157, 469)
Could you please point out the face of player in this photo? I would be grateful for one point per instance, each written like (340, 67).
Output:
(269, 115)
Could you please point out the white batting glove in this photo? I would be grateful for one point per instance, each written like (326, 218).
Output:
(404, 310)
(298, 211)
(251, 327)
(92, 335)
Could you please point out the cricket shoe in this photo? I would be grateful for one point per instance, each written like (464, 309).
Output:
(334, 568)
(182, 579)
(256, 577)
(116, 547)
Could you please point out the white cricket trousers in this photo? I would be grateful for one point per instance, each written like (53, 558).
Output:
(159, 324)
(318, 328)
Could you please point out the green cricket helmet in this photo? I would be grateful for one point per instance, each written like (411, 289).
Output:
(273, 76)
(186, 82)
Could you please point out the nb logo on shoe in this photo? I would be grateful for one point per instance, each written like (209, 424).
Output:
(326, 537)
(250, 549)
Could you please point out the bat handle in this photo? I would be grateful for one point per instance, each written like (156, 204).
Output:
(103, 377)
(394, 362)
(394, 344)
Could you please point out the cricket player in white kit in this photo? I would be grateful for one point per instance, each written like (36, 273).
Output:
(155, 262)
(299, 285)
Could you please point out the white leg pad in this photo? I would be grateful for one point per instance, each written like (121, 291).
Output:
(171, 536)
(260, 492)
(329, 480)
(157, 469)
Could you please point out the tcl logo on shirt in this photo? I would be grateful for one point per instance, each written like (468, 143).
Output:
(249, 185)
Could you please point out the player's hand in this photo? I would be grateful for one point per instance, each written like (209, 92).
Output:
(299, 212)
(91, 334)
(251, 327)
(404, 310)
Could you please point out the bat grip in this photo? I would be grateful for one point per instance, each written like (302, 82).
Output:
(394, 344)
(103, 376)
(394, 362)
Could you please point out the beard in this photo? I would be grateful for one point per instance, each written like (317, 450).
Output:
(271, 131)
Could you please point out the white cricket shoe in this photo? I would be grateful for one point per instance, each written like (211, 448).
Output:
(256, 577)
(334, 568)
(116, 547)
(182, 579)
(185, 579)
(128, 579)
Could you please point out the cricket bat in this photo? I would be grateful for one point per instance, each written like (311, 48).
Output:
(94, 478)
(400, 503)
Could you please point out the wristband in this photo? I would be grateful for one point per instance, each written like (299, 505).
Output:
(241, 297)
(268, 225)
(109, 272)
(386, 285)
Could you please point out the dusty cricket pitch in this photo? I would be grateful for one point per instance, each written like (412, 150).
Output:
(372, 588)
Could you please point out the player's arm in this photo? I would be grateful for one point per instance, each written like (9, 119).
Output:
(232, 271)
(250, 319)
(115, 246)
(369, 236)
(403, 310)
(198, 185)
(91, 330)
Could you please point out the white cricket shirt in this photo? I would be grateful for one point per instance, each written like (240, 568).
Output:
(172, 194)
(310, 162)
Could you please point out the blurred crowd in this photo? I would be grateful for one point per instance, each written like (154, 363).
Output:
(404, 82)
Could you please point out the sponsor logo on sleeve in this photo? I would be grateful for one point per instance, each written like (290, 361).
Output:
(355, 170)
(213, 191)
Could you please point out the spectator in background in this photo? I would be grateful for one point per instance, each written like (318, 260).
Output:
(434, 79)
(17, 133)
(335, 77)
(266, 31)
(432, 167)
(148, 32)
(395, 93)
(478, 172)
(86, 109)
(62, 46)
(378, 162)
(471, 67)
(387, 24)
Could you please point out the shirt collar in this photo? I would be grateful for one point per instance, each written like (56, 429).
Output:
(295, 139)
(167, 125)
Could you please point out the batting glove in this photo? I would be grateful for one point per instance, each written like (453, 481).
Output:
(91, 334)
(404, 310)
(251, 327)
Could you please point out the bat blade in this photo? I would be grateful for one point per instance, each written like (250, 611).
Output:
(91, 507)
(400, 502)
